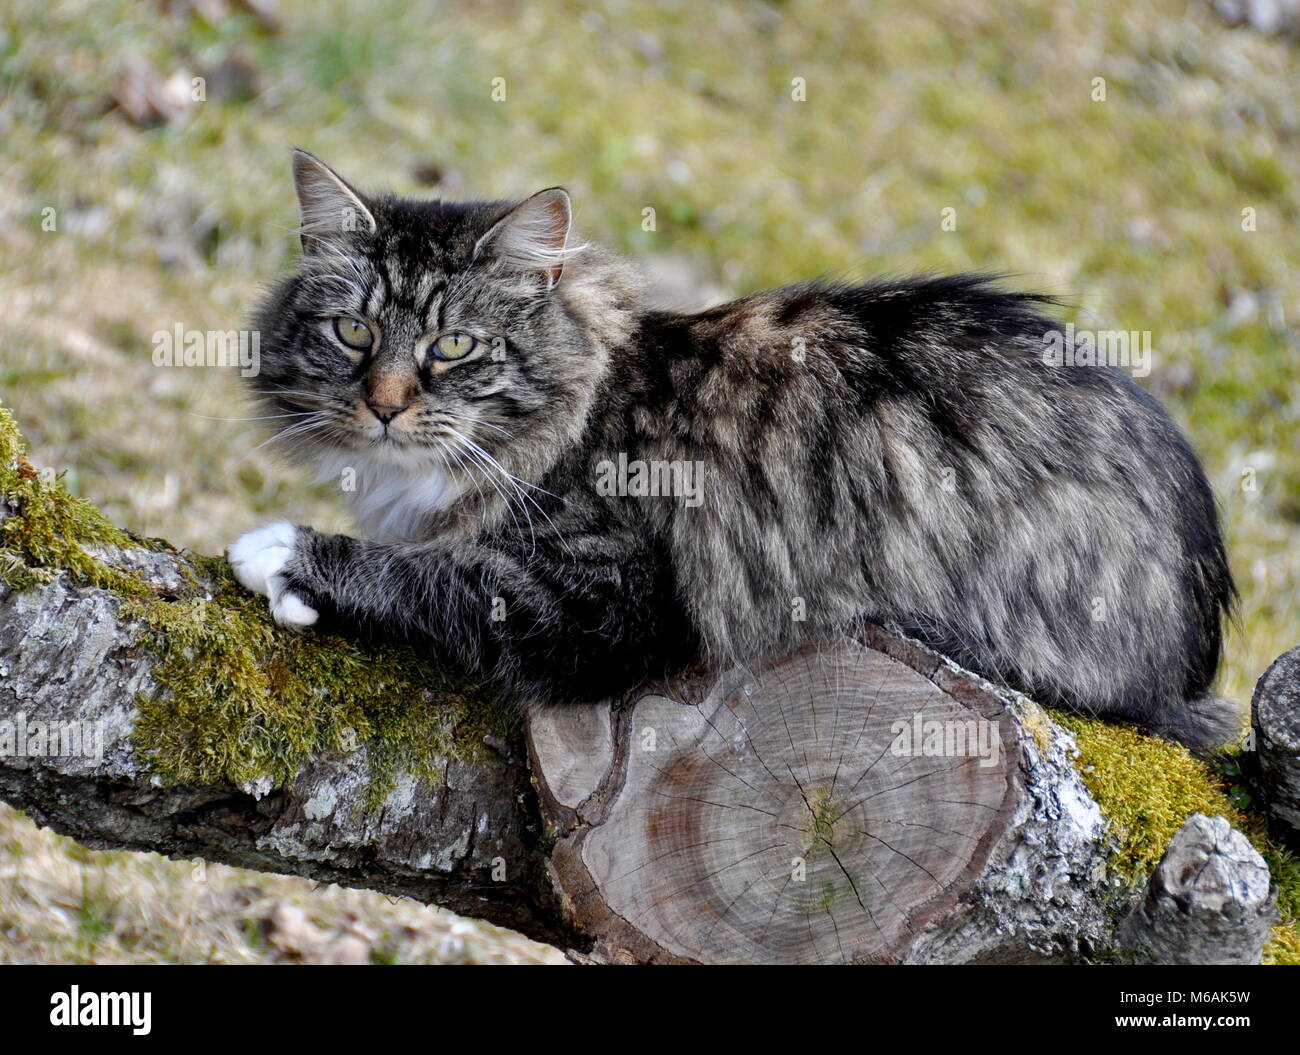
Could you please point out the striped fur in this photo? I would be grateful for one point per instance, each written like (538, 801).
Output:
(898, 451)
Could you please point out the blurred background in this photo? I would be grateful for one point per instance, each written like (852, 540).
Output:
(1141, 161)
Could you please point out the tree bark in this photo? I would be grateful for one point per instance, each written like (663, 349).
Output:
(731, 817)
(862, 801)
(1210, 900)
(1275, 723)
(796, 815)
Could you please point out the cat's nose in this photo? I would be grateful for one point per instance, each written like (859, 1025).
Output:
(385, 412)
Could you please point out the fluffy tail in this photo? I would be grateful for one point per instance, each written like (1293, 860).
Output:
(1204, 723)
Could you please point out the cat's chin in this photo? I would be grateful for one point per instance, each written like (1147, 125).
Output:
(393, 489)
(383, 449)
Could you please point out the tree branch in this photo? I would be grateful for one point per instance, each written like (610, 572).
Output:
(72, 659)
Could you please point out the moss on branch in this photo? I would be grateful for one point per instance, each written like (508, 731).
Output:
(1147, 788)
(238, 698)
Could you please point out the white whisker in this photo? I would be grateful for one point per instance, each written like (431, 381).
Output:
(259, 417)
(517, 485)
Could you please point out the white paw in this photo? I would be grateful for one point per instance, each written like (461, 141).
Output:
(257, 559)
(288, 609)
(260, 554)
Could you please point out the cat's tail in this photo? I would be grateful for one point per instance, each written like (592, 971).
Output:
(1204, 723)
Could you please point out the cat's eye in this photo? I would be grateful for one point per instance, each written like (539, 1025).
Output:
(453, 346)
(354, 333)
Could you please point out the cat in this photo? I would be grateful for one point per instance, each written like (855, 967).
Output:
(484, 387)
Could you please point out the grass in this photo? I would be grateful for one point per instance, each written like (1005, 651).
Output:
(1131, 207)
(61, 903)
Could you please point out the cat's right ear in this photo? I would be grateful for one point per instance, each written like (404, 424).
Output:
(330, 209)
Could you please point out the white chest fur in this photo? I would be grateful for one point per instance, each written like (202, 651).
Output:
(391, 496)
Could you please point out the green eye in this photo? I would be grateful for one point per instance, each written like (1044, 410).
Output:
(354, 333)
(453, 346)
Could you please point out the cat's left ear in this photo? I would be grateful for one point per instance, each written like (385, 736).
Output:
(533, 236)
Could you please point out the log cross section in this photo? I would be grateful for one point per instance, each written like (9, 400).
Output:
(824, 809)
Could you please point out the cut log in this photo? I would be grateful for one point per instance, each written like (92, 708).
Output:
(1275, 722)
(861, 802)
(1209, 901)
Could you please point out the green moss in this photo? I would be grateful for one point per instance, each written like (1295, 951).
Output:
(1147, 788)
(53, 529)
(1285, 869)
(240, 699)
(243, 699)
(823, 811)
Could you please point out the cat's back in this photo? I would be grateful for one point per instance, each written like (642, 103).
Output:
(951, 341)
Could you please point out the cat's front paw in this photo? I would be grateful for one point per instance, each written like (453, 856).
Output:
(258, 559)
(260, 554)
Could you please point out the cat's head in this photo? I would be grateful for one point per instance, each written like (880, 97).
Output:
(416, 331)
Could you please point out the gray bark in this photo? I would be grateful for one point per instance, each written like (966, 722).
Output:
(1208, 901)
(1275, 721)
(68, 655)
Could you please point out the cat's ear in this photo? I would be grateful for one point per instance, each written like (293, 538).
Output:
(330, 209)
(533, 236)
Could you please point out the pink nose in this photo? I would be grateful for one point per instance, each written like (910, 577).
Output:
(385, 412)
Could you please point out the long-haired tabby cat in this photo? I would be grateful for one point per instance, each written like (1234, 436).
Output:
(900, 451)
